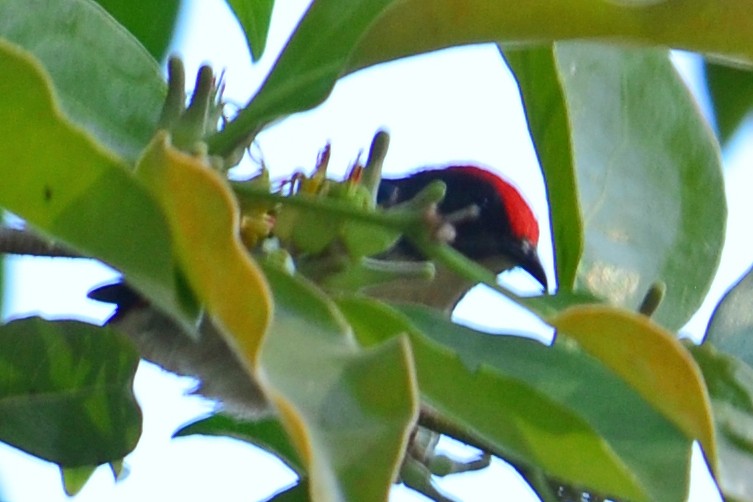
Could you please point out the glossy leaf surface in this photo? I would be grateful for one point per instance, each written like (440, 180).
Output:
(306, 71)
(254, 16)
(416, 26)
(651, 360)
(152, 23)
(731, 91)
(731, 326)
(607, 95)
(730, 383)
(103, 77)
(348, 411)
(66, 394)
(204, 220)
(75, 478)
(266, 433)
(539, 404)
(654, 212)
(64, 184)
(548, 121)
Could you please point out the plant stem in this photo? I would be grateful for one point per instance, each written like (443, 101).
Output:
(434, 421)
(26, 242)
(394, 220)
(238, 133)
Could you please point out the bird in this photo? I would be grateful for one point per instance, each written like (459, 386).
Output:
(492, 224)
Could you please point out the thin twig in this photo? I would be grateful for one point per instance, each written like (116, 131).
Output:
(546, 487)
(26, 242)
(435, 421)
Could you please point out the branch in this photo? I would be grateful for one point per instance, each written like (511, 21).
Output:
(536, 479)
(547, 488)
(26, 242)
(400, 222)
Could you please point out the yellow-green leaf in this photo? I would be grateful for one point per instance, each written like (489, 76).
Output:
(75, 478)
(348, 411)
(306, 70)
(61, 181)
(254, 17)
(104, 79)
(648, 358)
(412, 27)
(730, 383)
(521, 399)
(204, 221)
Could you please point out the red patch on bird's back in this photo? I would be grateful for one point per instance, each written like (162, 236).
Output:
(523, 223)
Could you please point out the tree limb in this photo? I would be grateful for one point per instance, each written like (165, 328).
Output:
(26, 242)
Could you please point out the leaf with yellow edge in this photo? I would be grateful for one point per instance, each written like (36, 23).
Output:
(204, 220)
(61, 181)
(648, 358)
(412, 27)
(349, 411)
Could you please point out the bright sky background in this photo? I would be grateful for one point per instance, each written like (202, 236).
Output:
(456, 105)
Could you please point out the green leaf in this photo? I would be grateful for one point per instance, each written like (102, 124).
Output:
(416, 26)
(118, 469)
(104, 78)
(297, 493)
(152, 23)
(348, 411)
(536, 405)
(204, 219)
(548, 120)
(75, 478)
(731, 325)
(307, 69)
(254, 16)
(267, 433)
(648, 176)
(731, 91)
(650, 359)
(63, 183)
(730, 383)
(3, 288)
(66, 394)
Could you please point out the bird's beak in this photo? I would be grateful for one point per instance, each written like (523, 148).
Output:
(531, 263)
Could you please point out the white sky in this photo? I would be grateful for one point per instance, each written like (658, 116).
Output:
(457, 105)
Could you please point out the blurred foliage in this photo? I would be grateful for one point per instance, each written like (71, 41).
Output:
(151, 23)
(731, 90)
(355, 389)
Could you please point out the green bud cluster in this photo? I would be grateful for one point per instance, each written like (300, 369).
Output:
(310, 233)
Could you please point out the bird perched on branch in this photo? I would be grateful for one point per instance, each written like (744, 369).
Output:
(490, 223)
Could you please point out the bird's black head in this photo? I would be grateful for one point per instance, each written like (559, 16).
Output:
(505, 231)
